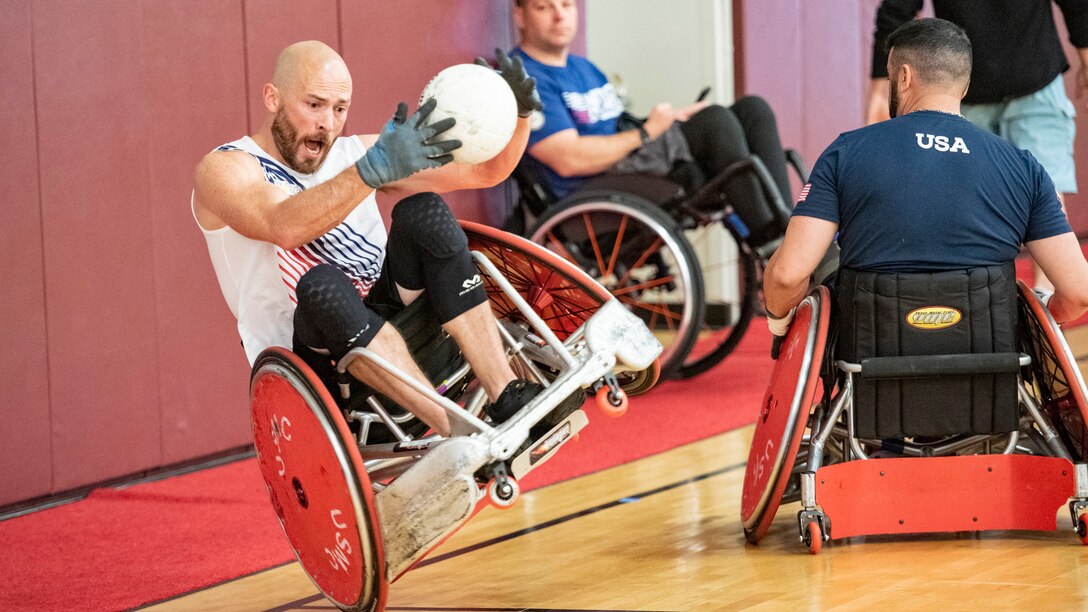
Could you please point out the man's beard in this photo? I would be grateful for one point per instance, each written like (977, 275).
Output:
(287, 143)
(893, 100)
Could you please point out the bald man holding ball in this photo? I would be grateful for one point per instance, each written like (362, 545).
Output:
(300, 249)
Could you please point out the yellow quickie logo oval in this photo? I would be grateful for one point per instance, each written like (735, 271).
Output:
(933, 317)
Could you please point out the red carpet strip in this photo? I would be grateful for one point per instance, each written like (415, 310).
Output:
(121, 548)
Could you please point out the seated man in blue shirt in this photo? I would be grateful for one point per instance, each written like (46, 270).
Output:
(926, 191)
(576, 136)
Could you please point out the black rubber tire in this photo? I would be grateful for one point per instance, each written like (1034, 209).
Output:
(717, 336)
(644, 235)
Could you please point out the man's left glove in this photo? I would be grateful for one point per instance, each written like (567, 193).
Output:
(523, 85)
(779, 326)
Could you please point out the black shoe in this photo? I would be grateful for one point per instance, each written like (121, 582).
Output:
(516, 394)
(521, 392)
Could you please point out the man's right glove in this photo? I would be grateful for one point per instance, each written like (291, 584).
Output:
(779, 326)
(407, 146)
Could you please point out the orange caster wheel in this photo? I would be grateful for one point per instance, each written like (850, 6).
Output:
(1082, 527)
(503, 492)
(813, 538)
(611, 404)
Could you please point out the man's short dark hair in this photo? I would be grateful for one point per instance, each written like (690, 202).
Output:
(939, 50)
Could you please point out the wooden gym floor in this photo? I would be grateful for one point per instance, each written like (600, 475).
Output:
(664, 533)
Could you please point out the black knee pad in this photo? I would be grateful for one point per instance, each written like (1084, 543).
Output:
(427, 220)
(330, 315)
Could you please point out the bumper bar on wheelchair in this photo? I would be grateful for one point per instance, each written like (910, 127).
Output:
(928, 366)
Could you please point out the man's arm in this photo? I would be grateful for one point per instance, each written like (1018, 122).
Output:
(1075, 14)
(570, 154)
(1061, 259)
(788, 273)
(231, 190)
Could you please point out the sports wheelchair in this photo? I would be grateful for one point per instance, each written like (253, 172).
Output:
(361, 491)
(933, 439)
(675, 250)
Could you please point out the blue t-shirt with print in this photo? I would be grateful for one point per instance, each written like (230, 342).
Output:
(929, 191)
(576, 96)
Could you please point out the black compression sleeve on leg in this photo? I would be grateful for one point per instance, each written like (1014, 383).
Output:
(330, 315)
(428, 250)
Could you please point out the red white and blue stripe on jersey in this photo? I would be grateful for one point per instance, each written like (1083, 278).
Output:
(343, 247)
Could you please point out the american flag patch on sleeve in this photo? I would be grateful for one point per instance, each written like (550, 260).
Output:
(804, 193)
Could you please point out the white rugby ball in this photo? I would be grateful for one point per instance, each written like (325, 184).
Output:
(483, 105)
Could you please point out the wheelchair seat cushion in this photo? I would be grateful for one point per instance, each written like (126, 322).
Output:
(939, 313)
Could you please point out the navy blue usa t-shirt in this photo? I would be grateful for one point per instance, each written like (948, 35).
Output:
(929, 191)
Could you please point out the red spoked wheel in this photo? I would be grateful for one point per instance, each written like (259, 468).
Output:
(559, 292)
(1058, 385)
(316, 481)
(611, 404)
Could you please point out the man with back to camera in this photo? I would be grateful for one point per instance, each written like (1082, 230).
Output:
(1017, 90)
(926, 191)
(299, 246)
(576, 135)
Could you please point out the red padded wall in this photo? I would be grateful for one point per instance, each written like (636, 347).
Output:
(92, 127)
(271, 25)
(26, 449)
(193, 85)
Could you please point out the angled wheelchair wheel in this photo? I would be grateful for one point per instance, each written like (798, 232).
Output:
(730, 287)
(316, 481)
(639, 254)
(1056, 380)
(561, 294)
(783, 416)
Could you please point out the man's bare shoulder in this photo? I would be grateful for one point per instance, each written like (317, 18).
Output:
(222, 177)
(226, 166)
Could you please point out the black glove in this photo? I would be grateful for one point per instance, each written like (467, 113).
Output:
(523, 85)
(407, 146)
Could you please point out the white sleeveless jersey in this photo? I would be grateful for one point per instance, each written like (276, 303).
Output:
(258, 278)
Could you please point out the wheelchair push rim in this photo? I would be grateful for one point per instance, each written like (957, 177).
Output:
(1058, 384)
(316, 481)
(562, 294)
(639, 254)
(784, 413)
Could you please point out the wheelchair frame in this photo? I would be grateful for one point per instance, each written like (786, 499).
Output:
(930, 487)
(668, 213)
(359, 515)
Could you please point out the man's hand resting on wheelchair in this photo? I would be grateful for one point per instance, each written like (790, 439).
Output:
(779, 326)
